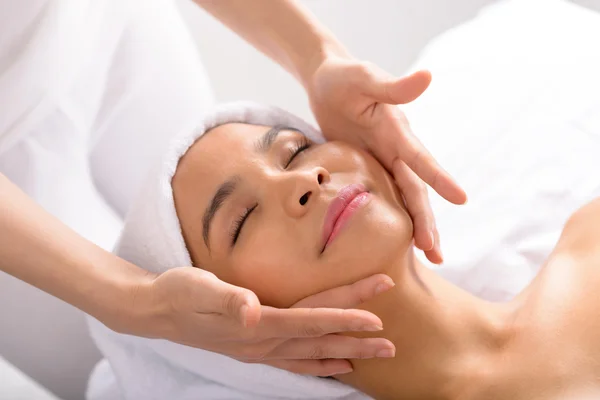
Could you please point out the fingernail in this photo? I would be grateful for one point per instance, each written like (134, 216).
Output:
(345, 370)
(432, 240)
(384, 286)
(372, 328)
(386, 353)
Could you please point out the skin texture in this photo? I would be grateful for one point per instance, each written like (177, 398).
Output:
(450, 344)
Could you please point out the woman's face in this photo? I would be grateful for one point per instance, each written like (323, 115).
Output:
(265, 209)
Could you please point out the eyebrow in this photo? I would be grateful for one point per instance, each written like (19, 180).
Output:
(227, 188)
(222, 193)
(266, 141)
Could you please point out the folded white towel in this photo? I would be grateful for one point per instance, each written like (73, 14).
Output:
(139, 368)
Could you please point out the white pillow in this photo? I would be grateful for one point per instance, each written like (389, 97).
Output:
(513, 112)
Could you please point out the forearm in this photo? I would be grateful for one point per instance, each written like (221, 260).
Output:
(38, 249)
(282, 29)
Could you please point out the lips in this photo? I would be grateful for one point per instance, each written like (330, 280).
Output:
(347, 201)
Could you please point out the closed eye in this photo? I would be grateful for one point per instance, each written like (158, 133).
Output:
(301, 145)
(239, 223)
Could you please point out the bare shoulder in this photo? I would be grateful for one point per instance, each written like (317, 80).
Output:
(558, 314)
(581, 234)
(570, 284)
(573, 268)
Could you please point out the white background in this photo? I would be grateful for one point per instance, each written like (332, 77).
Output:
(389, 33)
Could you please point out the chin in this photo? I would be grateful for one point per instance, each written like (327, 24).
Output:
(372, 242)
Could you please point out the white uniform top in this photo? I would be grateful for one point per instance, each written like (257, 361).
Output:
(89, 91)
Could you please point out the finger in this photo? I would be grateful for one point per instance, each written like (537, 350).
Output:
(313, 367)
(314, 322)
(417, 203)
(408, 149)
(418, 159)
(435, 255)
(231, 301)
(334, 346)
(350, 295)
(388, 89)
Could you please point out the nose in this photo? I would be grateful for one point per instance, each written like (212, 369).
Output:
(301, 188)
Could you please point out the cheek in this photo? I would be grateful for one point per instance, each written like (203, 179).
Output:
(341, 157)
(276, 268)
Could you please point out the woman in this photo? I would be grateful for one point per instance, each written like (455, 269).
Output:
(289, 218)
(83, 80)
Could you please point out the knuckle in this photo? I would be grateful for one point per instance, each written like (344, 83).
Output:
(346, 315)
(310, 331)
(419, 216)
(415, 189)
(318, 352)
(365, 69)
(363, 353)
(397, 164)
(361, 350)
(434, 180)
(262, 352)
(204, 278)
(230, 301)
(364, 66)
(415, 161)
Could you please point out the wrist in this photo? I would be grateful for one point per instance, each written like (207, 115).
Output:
(124, 302)
(140, 312)
(309, 65)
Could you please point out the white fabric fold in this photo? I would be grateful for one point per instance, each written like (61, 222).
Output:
(45, 59)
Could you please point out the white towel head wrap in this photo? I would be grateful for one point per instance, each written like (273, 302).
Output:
(152, 236)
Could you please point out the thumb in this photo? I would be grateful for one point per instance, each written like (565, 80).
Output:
(231, 301)
(348, 296)
(403, 90)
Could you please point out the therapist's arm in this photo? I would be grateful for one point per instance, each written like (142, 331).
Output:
(352, 100)
(185, 305)
(37, 248)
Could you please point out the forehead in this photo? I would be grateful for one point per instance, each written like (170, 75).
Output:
(215, 157)
(221, 141)
(223, 152)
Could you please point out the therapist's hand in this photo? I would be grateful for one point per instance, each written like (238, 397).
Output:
(356, 102)
(193, 307)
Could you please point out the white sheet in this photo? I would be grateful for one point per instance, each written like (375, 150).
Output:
(513, 112)
(15, 385)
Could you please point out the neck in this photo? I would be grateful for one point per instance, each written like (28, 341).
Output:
(446, 339)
